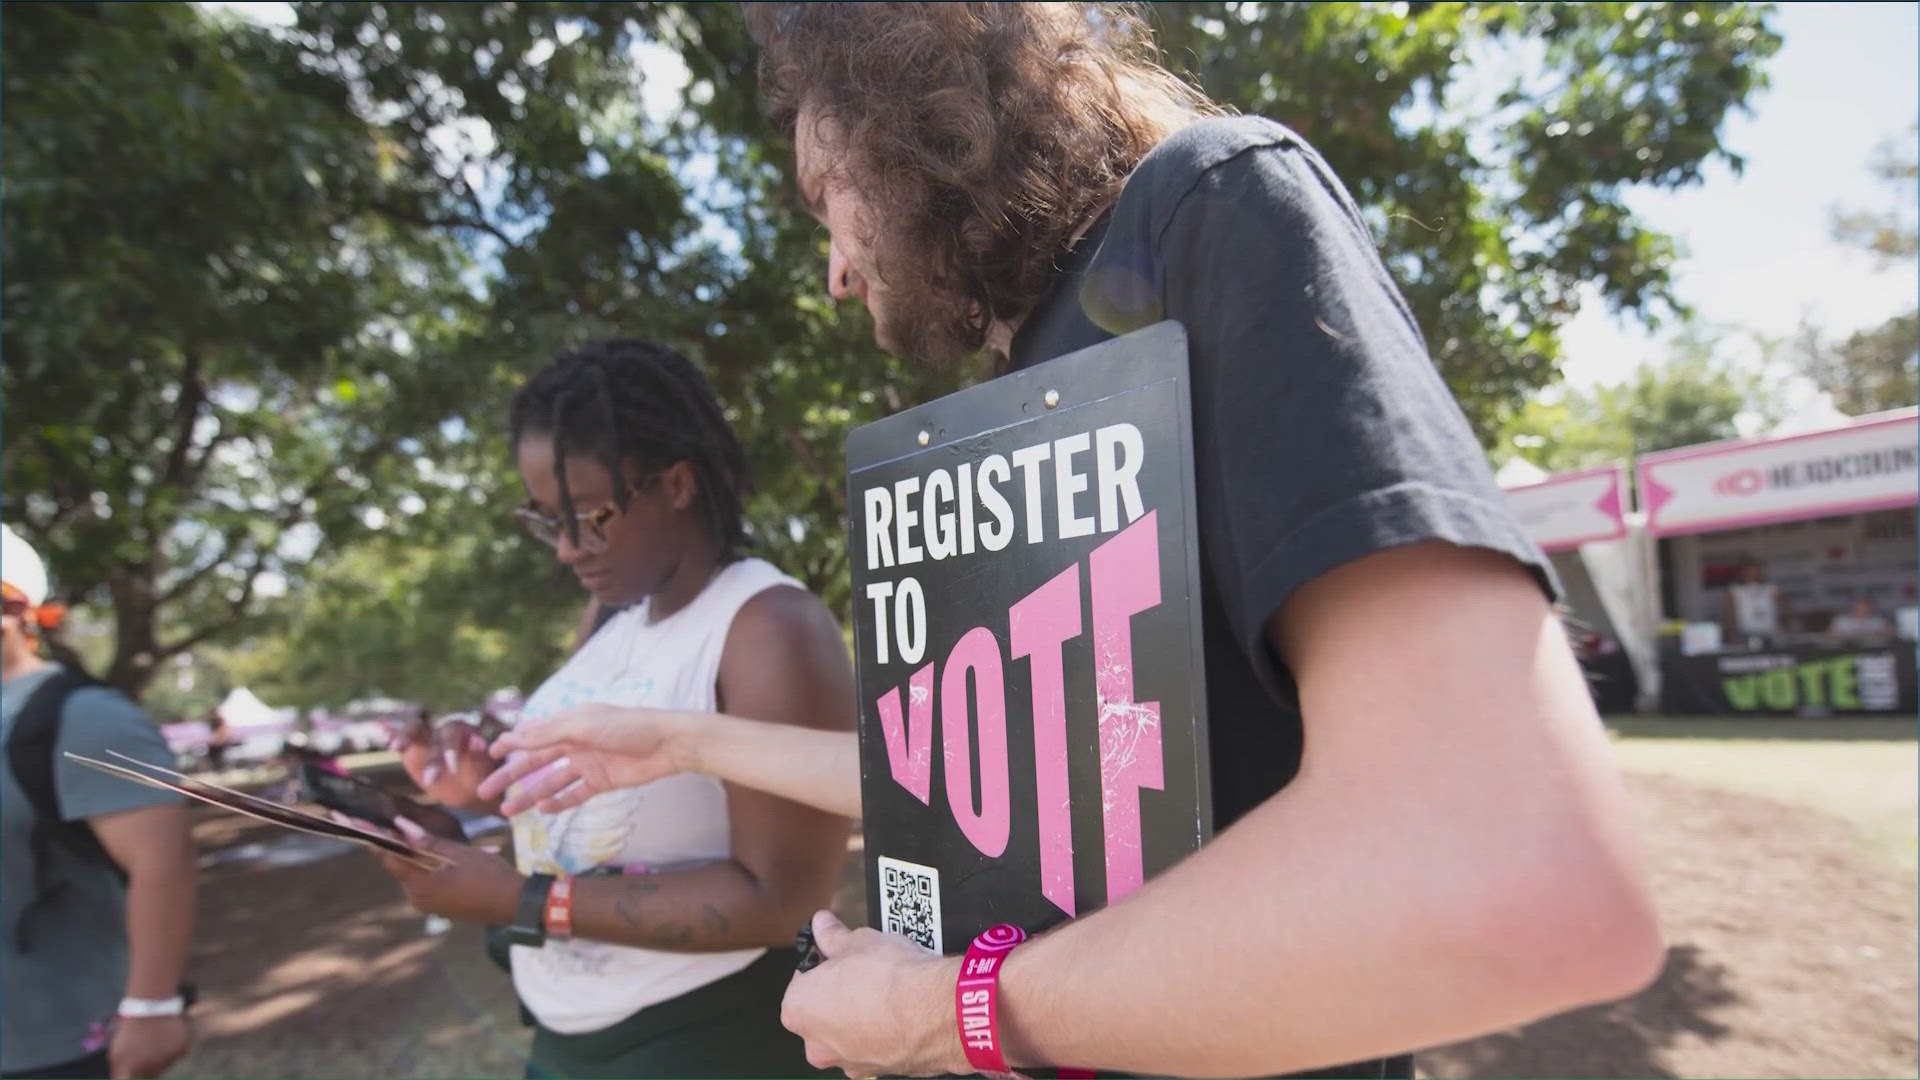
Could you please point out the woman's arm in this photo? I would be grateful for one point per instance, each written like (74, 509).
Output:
(566, 759)
(820, 768)
(785, 666)
(786, 672)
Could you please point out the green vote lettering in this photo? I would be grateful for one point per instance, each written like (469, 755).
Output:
(1777, 689)
(1813, 684)
(1846, 681)
(1833, 682)
(1743, 692)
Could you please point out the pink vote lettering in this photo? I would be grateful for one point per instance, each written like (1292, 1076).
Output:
(978, 654)
(1123, 581)
(1041, 623)
(910, 741)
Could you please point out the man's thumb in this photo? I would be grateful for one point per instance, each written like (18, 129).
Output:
(829, 933)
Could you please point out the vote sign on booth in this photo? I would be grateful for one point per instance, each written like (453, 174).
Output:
(1026, 591)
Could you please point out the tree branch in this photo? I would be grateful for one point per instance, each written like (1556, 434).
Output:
(236, 612)
(229, 541)
(193, 395)
(805, 453)
(64, 468)
(431, 221)
(291, 513)
(198, 466)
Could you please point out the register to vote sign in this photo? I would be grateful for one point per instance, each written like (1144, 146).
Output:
(1026, 622)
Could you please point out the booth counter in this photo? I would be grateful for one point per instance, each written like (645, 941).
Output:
(1824, 524)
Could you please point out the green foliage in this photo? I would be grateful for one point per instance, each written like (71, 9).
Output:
(1698, 395)
(1891, 232)
(268, 291)
(396, 614)
(204, 325)
(1877, 368)
(1869, 370)
(1496, 199)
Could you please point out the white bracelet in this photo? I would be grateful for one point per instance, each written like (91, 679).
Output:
(142, 1008)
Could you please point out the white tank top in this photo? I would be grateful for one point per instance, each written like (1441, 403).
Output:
(576, 986)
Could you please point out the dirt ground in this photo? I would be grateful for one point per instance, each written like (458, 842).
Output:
(1793, 953)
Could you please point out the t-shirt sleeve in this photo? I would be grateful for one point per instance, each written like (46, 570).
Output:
(1323, 431)
(98, 722)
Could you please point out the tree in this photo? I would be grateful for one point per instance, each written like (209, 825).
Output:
(382, 620)
(1697, 395)
(311, 264)
(1891, 233)
(1492, 145)
(1877, 368)
(207, 338)
(1870, 370)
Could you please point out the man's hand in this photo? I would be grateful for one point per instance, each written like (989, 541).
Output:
(475, 886)
(561, 761)
(878, 1006)
(447, 762)
(146, 1047)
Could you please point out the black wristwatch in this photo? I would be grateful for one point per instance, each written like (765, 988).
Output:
(529, 926)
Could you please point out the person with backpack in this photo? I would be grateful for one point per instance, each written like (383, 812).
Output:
(96, 874)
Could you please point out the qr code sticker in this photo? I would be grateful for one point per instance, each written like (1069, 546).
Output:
(910, 902)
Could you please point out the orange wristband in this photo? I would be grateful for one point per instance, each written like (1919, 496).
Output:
(559, 918)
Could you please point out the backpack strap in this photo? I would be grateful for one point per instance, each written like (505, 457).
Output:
(31, 750)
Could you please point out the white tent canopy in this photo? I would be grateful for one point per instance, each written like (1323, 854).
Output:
(243, 709)
(1519, 472)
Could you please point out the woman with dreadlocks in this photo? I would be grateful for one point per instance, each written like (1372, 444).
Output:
(648, 923)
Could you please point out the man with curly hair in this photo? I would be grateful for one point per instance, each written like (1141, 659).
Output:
(1422, 835)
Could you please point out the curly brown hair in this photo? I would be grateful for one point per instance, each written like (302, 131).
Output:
(988, 132)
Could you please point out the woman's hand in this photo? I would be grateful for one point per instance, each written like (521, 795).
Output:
(563, 760)
(474, 885)
(447, 762)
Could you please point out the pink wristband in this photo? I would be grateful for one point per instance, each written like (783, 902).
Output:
(976, 1003)
(976, 997)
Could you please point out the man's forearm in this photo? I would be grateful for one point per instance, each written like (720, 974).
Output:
(700, 909)
(811, 766)
(1272, 952)
(160, 910)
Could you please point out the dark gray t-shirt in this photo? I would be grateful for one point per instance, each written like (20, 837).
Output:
(74, 974)
(1322, 432)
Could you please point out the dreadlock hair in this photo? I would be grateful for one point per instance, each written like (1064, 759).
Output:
(629, 401)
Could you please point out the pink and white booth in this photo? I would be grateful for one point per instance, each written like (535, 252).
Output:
(1599, 551)
(1827, 519)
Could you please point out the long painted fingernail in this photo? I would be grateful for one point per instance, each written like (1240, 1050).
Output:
(429, 774)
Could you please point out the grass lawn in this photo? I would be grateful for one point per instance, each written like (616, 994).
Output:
(1866, 772)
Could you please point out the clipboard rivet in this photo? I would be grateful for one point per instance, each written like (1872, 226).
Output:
(925, 438)
(1052, 399)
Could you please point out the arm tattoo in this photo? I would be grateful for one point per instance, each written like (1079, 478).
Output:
(628, 903)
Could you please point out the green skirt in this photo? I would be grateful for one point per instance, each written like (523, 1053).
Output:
(727, 1028)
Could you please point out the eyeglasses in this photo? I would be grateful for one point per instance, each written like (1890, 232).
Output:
(548, 529)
